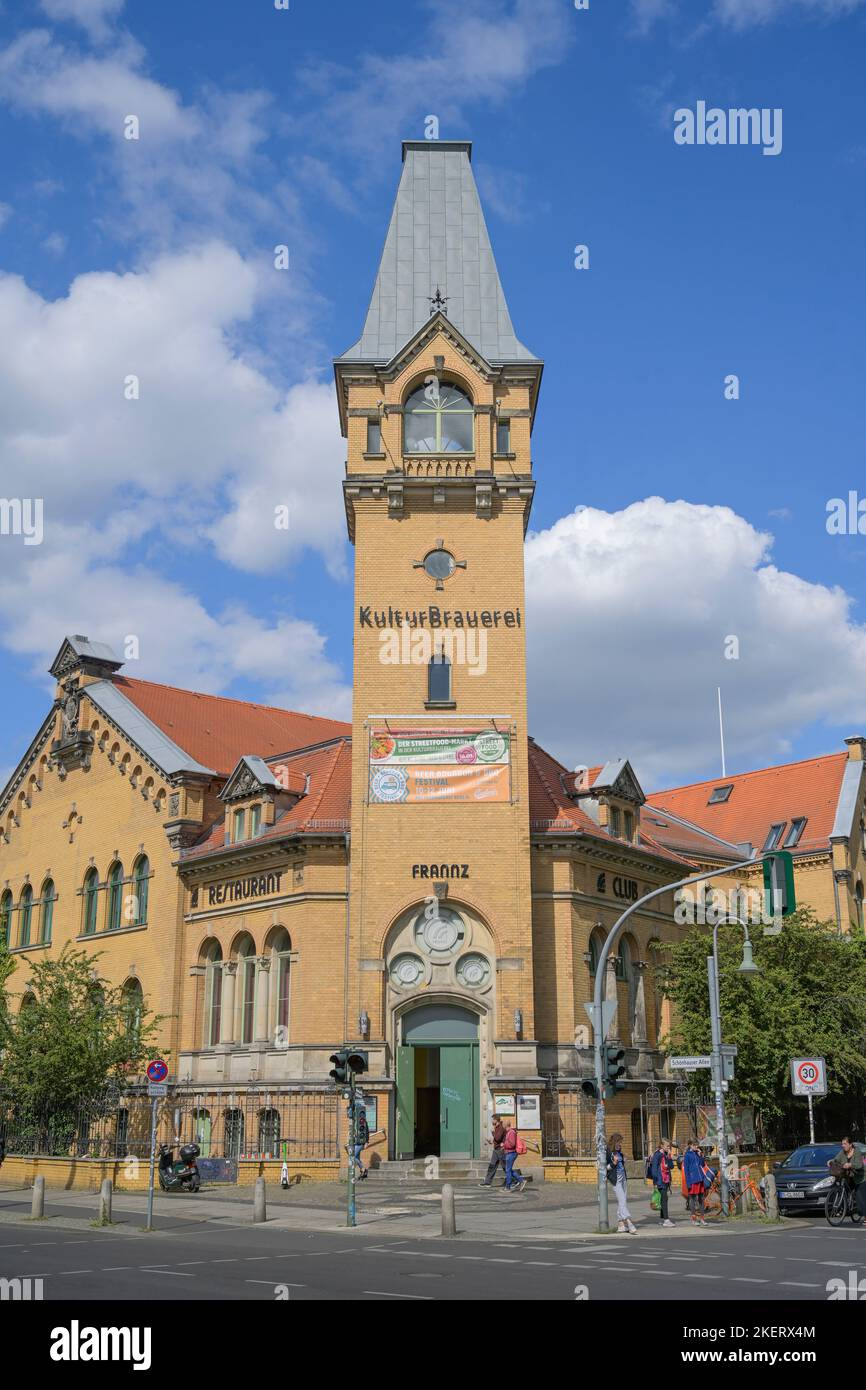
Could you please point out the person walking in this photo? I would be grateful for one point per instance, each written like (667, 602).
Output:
(362, 1139)
(497, 1157)
(617, 1175)
(512, 1145)
(661, 1172)
(694, 1182)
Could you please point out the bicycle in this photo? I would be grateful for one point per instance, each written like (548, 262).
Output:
(841, 1200)
(737, 1189)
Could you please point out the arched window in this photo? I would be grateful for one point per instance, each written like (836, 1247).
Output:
(438, 419)
(25, 915)
(269, 1133)
(201, 1131)
(213, 994)
(439, 680)
(858, 898)
(140, 879)
(121, 1132)
(638, 1145)
(47, 899)
(91, 900)
(115, 895)
(246, 986)
(133, 1007)
(281, 946)
(234, 1133)
(6, 917)
(596, 942)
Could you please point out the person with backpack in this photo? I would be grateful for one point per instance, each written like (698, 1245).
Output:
(513, 1145)
(694, 1183)
(497, 1157)
(616, 1174)
(661, 1166)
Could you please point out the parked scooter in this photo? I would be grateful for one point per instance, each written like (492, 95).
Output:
(180, 1176)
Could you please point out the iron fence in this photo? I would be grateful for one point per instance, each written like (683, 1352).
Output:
(262, 1124)
(658, 1111)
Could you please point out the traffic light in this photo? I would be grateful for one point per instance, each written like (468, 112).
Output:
(357, 1059)
(779, 899)
(590, 1090)
(614, 1068)
(340, 1071)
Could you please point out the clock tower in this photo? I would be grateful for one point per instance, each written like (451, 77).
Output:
(437, 401)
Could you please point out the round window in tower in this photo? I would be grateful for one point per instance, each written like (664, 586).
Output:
(473, 971)
(406, 970)
(439, 564)
(440, 931)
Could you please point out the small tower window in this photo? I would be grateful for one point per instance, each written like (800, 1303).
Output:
(503, 437)
(238, 826)
(615, 822)
(255, 821)
(439, 680)
(374, 437)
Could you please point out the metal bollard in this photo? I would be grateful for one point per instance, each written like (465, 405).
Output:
(105, 1202)
(449, 1217)
(259, 1203)
(37, 1206)
(772, 1197)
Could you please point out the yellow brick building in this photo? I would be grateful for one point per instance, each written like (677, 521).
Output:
(427, 883)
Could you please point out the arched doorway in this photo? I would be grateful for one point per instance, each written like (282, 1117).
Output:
(438, 1082)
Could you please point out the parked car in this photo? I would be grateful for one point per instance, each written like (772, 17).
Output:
(803, 1179)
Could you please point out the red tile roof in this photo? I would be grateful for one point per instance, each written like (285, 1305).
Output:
(762, 798)
(217, 731)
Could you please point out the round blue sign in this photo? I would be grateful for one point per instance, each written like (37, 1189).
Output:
(157, 1071)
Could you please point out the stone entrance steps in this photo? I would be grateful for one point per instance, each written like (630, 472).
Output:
(421, 1170)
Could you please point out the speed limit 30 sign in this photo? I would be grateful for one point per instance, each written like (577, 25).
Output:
(809, 1076)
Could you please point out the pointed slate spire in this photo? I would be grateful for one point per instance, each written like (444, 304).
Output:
(437, 244)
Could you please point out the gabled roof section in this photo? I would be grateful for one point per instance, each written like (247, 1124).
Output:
(613, 779)
(437, 241)
(552, 809)
(142, 731)
(770, 796)
(79, 653)
(323, 809)
(217, 732)
(251, 775)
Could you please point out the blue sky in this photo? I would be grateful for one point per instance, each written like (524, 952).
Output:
(261, 127)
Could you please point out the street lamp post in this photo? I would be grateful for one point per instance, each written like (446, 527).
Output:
(598, 1013)
(747, 967)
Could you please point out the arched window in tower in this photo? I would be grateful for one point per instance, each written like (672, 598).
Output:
(439, 680)
(47, 899)
(5, 917)
(438, 418)
(140, 880)
(115, 895)
(25, 915)
(91, 900)
(280, 945)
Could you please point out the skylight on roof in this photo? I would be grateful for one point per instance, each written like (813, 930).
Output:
(720, 793)
(792, 838)
(774, 835)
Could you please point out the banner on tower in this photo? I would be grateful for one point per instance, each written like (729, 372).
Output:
(412, 766)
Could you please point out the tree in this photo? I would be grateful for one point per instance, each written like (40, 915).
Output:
(73, 1037)
(809, 999)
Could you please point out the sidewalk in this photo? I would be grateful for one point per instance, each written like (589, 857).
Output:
(547, 1213)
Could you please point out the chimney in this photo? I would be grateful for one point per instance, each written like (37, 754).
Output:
(856, 744)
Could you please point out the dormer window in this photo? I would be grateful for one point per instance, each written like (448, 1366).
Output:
(255, 821)
(438, 418)
(792, 838)
(238, 818)
(615, 822)
(629, 826)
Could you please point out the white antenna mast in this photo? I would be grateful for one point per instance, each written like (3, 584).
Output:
(721, 729)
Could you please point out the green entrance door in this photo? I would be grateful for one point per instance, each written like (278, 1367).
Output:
(438, 1083)
(456, 1118)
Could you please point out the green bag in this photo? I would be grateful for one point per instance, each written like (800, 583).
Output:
(656, 1200)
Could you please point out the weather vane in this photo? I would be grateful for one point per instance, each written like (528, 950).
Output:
(438, 301)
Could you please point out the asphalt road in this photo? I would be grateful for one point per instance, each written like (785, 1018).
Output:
(225, 1262)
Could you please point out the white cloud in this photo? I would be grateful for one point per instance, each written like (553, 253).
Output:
(5, 213)
(72, 585)
(55, 244)
(94, 16)
(627, 616)
(209, 432)
(741, 14)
